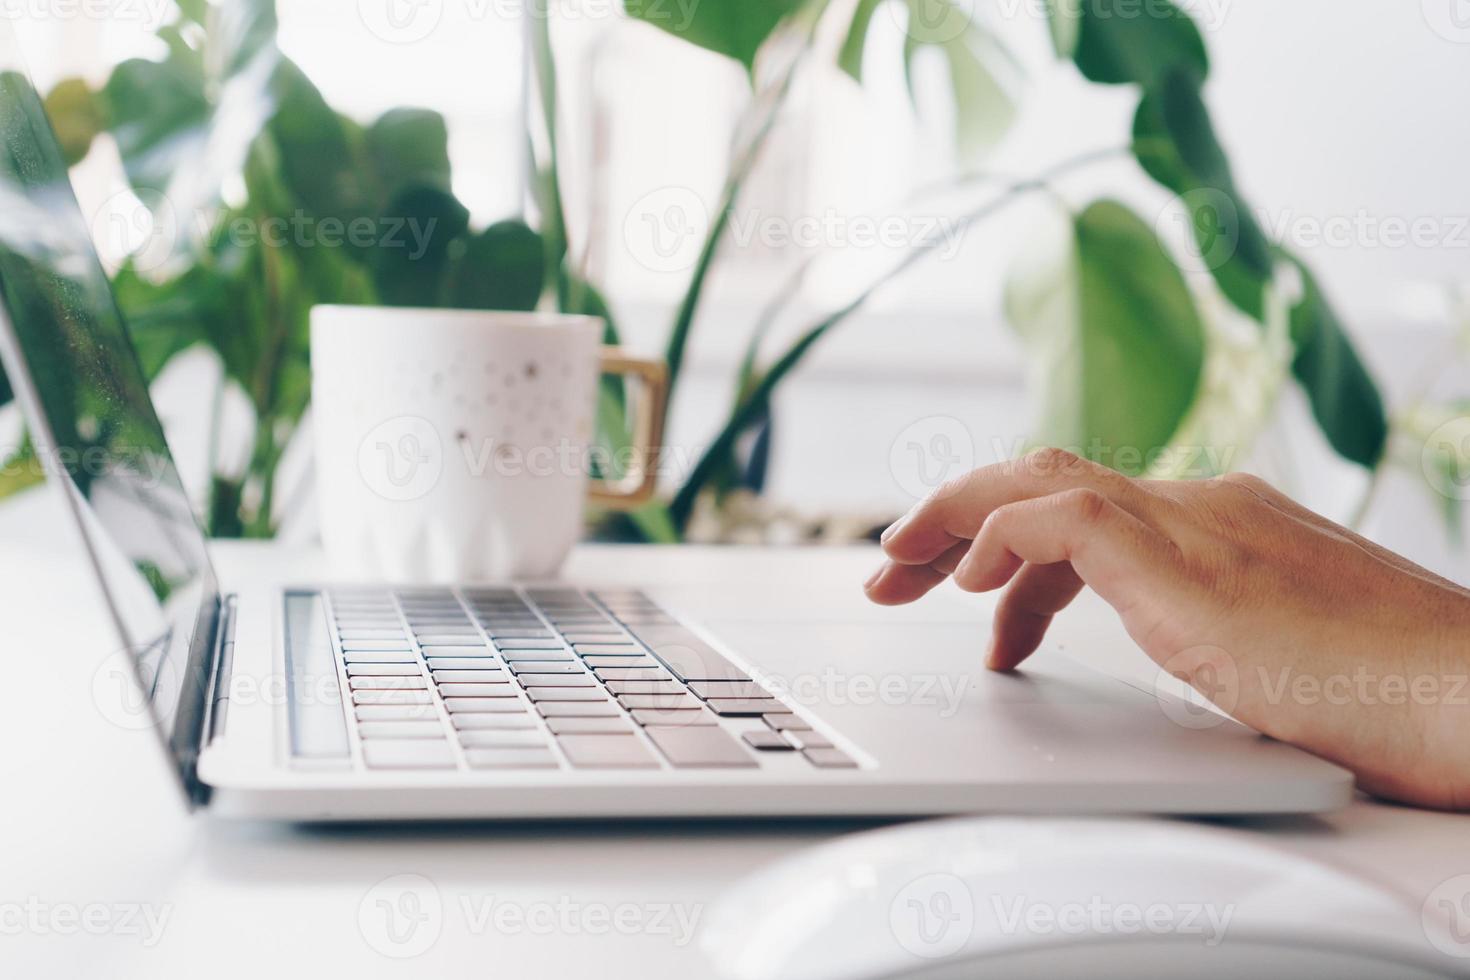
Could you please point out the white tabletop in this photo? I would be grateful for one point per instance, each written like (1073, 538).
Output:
(94, 837)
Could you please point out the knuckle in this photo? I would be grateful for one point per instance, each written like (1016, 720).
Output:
(1050, 461)
(1245, 481)
(1089, 506)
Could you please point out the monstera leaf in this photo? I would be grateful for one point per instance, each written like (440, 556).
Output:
(734, 28)
(501, 268)
(1117, 342)
(1118, 42)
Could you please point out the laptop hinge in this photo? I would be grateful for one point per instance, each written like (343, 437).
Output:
(222, 660)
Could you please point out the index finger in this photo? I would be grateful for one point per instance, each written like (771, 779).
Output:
(956, 511)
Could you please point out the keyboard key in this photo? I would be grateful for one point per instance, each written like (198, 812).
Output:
(400, 729)
(640, 661)
(676, 718)
(701, 747)
(457, 652)
(482, 665)
(607, 752)
(500, 706)
(391, 697)
(529, 634)
(395, 712)
(529, 679)
(510, 759)
(578, 709)
(379, 656)
(829, 759)
(740, 707)
(809, 740)
(505, 689)
(371, 634)
(501, 723)
(398, 683)
(785, 721)
(529, 642)
(546, 667)
(661, 702)
(492, 739)
(578, 636)
(644, 687)
(632, 674)
(589, 726)
(383, 670)
(689, 657)
(407, 753)
(767, 741)
(540, 656)
(566, 694)
(470, 676)
(444, 639)
(728, 689)
(363, 646)
(608, 650)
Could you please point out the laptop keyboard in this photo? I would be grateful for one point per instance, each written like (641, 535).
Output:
(552, 678)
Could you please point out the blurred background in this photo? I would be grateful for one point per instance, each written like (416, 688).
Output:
(878, 242)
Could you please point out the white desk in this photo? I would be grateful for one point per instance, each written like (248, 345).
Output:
(90, 816)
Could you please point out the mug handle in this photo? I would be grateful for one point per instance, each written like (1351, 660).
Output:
(637, 486)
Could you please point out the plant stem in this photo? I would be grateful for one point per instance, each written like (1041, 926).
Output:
(553, 218)
(756, 402)
(739, 169)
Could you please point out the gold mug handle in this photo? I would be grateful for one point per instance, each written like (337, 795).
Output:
(636, 486)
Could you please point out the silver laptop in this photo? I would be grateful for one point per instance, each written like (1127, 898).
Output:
(561, 700)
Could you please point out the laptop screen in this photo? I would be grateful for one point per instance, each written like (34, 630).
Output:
(93, 428)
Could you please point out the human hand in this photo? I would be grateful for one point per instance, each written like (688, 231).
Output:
(1296, 626)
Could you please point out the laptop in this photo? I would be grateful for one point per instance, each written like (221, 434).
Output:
(559, 700)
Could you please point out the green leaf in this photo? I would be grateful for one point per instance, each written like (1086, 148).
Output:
(1345, 400)
(501, 268)
(410, 266)
(158, 114)
(1175, 144)
(319, 154)
(409, 147)
(850, 56)
(1064, 17)
(76, 117)
(1124, 41)
(1119, 342)
(734, 28)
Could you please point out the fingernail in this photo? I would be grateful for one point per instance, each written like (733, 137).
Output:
(873, 579)
(892, 529)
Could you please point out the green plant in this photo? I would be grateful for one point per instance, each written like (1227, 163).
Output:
(1107, 314)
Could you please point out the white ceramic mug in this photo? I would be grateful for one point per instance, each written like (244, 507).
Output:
(456, 445)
